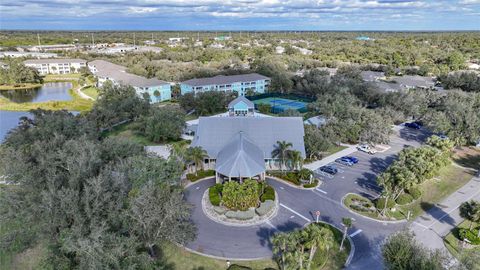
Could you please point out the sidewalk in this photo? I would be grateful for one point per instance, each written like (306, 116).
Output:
(432, 226)
(329, 159)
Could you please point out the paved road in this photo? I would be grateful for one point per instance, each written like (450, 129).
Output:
(297, 208)
(431, 227)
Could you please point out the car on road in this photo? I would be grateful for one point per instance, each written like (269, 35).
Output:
(367, 149)
(344, 161)
(353, 159)
(413, 125)
(330, 169)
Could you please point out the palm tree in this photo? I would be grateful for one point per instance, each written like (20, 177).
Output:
(471, 212)
(282, 243)
(296, 159)
(197, 155)
(305, 174)
(179, 151)
(347, 223)
(281, 152)
(318, 238)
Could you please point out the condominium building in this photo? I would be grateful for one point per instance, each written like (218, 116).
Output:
(242, 84)
(56, 66)
(27, 54)
(157, 90)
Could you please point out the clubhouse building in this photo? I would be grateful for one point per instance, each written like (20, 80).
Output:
(239, 144)
(157, 90)
(242, 84)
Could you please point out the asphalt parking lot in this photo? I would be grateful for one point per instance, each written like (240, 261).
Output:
(361, 177)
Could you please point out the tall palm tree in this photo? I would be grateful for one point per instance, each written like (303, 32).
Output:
(347, 223)
(282, 243)
(296, 159)
(281, 152)
(197, 155)
(318, 238)
(179, 151)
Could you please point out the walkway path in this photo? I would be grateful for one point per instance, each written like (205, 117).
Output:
(83, 95)
(432, 226)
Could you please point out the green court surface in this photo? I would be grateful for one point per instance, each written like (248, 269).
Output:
(282, 104)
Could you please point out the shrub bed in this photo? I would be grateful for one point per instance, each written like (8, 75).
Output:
(415, 192)
(291, 177)
(470, 235)
(380, 203)
(404, 199)
(241, 215)
(313, 184)
(199, 175)
(214, 194)
(268, 194)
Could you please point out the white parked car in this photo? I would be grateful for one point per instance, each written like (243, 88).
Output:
(367, 149)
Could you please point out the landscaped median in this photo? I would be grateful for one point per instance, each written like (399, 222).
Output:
(235, 203)
(302, 178)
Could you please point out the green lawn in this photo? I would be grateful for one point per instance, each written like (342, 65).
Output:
(334, 149)
(185, 260)
(127, 131)
(434, 191)
(453, 242)
(91, 91)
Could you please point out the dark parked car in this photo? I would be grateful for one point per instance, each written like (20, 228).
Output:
(420, 123)
(353, 159)
(345, 161)
(412, 125)
(329, 169)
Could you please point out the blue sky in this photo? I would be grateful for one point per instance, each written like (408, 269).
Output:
(240, 14)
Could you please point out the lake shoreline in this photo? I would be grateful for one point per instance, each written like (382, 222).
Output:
(25, 86)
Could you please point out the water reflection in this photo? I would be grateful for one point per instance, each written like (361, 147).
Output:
(57, 91)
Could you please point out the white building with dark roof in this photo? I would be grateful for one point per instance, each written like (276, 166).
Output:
(57, 65)
(157, 90)
(241, 146)
(241, 84)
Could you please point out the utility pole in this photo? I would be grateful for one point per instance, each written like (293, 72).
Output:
(93, 41)
(133, 39)
(38, 38)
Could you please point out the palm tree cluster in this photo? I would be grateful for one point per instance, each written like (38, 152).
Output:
(471, 212)
(288, 157)
(190, 156)
(296, 250)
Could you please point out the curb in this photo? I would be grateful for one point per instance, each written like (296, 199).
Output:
(223, 258)
(373, 219)
(260, 222)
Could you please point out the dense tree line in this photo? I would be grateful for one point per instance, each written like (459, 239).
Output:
(206, 103)
(96, 203)
(467, 81)
(16, 73)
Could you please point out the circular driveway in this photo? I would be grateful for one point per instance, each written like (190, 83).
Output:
(297, 208)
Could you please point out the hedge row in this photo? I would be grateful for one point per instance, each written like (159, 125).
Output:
(291, 177)
(199, 175)
(268, 194)
(313, 184)
(214, 194)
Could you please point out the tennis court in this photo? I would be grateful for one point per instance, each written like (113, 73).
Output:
(282, 104)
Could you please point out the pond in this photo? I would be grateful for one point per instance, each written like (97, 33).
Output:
(57, 91)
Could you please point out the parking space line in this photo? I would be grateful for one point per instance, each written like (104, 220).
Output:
(323, 191)
(295, 212)
(355, 233)
(271, 225)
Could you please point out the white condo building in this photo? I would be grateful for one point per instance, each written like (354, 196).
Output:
(56, 66)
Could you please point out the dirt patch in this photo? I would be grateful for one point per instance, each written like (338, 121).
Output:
(467, 157)
(30, 258)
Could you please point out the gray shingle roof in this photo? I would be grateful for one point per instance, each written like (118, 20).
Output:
(240, 158)
(213, 133)
(54, 61)
(222, 79)
(241, 99)
(119, 74)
